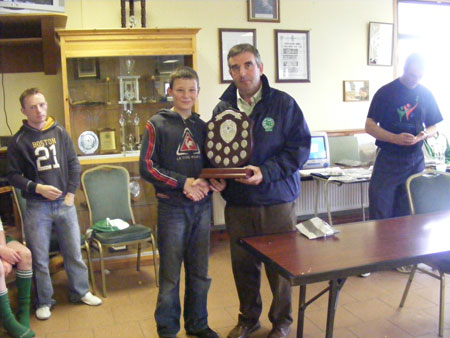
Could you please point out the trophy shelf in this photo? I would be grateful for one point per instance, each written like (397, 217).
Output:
(114, 80)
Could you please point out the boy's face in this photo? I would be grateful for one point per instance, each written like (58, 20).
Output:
(184, 93)
(35, 109)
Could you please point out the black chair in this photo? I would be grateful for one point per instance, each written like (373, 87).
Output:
(107, 192)
(428, 192)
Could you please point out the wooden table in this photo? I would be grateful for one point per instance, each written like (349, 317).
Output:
(358, 248)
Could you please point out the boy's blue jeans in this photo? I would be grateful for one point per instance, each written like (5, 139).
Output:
(183, 236)
(39, 218)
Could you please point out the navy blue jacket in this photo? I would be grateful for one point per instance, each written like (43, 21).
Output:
(172, 150)
(281, 144)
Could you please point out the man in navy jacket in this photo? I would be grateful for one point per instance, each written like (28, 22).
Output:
(263, 203)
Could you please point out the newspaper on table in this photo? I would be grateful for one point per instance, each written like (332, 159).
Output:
(316, 228)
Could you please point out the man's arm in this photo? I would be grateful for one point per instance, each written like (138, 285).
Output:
(403, 139)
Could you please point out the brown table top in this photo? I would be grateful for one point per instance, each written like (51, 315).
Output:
(358, 248)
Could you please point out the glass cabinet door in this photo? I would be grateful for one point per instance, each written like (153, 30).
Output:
(111, 99)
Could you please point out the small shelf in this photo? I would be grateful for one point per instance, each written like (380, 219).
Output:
(28, 42)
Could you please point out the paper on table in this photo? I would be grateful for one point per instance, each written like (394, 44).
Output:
(315, 228)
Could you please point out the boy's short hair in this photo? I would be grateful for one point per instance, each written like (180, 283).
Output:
(26, 93)
(183, 72)
(241, 48)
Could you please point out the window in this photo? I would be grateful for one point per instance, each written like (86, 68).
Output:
(423, 27)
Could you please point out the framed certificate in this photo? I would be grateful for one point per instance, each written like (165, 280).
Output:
(107, 140)
(227, 39)
(292, 56)
(381, 42)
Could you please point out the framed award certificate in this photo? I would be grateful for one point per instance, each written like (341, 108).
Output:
(107, 140)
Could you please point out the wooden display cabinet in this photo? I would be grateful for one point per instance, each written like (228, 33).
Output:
(104, 72)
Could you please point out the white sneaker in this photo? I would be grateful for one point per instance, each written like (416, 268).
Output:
(43, 312)
(90, 299)
(365, 275)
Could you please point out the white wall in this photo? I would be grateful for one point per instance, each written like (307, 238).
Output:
(338, 40)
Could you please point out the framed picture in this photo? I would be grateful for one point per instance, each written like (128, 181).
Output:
(263, 10)
(381, 42)
(87, 68)
(227, 39)
(292, 56)
(356, 90)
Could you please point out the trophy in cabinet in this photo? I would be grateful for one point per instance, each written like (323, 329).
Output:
(228, 145)
(129, 95)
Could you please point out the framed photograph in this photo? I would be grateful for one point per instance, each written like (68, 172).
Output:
(292, 56)
(86, 68)
(381, 42)
(263, 10)
(227, 39)
(356, 90)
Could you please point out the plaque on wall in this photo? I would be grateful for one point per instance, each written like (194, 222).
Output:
(228, 145)
(88, 142)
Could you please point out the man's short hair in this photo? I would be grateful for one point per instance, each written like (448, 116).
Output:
(244, 47)
(415, 59)
(183, 72)
(26, 93)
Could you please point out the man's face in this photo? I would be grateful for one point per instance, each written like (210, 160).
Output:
(35, 109)
(412, 75)
(245, 73)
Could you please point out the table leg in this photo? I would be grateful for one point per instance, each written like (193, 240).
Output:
(316, 195)
(362, 201)
(325, 191)
(335, 286)
(301, 311)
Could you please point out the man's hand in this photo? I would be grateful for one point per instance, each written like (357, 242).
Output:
(9, 255)
(68, 199)
(406, 139)
(48, 191)
(255, 179)
(217, 185)
(195, 189)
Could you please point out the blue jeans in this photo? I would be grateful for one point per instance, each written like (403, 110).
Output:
(183, 235)
(39, 219)
(387, 189)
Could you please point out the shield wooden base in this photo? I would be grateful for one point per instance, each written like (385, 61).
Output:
(226, 173)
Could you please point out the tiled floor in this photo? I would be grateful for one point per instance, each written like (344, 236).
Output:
(368, 307)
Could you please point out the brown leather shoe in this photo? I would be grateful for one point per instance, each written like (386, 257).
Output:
(242, 330)
(279, 332)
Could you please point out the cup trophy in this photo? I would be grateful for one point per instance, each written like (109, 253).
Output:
(228, 145)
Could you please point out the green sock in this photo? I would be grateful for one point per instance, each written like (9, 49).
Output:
(12, 326)
(23, 282)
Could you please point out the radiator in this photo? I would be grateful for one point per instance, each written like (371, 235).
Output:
(344, 197)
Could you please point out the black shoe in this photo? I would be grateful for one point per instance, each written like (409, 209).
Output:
(279, 332)
(243, 330)
(205, 333)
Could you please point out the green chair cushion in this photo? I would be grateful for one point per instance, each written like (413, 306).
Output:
(132, 233)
